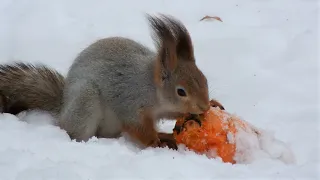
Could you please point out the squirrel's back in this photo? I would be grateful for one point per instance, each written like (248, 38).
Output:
(121, 68)
(117, 54)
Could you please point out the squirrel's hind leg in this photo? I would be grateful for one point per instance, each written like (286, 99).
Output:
(110, 126)
(81, 113)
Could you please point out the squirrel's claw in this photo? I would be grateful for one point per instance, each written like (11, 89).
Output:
(215, 103)
(167, 140)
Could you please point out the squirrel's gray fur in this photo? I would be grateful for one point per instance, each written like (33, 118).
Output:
(115, 82)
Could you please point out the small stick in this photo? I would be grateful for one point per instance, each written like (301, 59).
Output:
(211, 17)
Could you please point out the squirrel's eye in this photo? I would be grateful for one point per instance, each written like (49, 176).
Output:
(181, 91)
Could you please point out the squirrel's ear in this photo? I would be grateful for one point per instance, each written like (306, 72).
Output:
(164, 66)
(167, 56)
(166, 46)
(184, 45)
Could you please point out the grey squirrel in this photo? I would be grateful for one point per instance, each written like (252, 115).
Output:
(115, 85)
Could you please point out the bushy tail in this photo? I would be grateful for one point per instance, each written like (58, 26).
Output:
(26, 87)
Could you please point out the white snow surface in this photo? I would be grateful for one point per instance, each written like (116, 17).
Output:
(261, 63)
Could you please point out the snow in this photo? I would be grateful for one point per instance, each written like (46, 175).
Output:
(261, 63)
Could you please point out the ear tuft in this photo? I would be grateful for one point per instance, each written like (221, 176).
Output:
(168, 30)
(173, 42)
(165, 41)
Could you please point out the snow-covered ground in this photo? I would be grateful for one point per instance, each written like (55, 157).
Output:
(261, 62)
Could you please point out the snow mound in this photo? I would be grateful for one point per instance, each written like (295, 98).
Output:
(255, 144)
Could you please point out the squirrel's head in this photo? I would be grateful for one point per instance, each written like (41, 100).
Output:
(182, 87)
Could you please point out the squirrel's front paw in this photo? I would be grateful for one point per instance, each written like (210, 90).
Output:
(215, 103)
(167, 140)
(170, 144)
(164, 142)
(155, 143)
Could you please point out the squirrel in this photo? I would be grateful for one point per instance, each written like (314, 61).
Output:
(115, 85)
